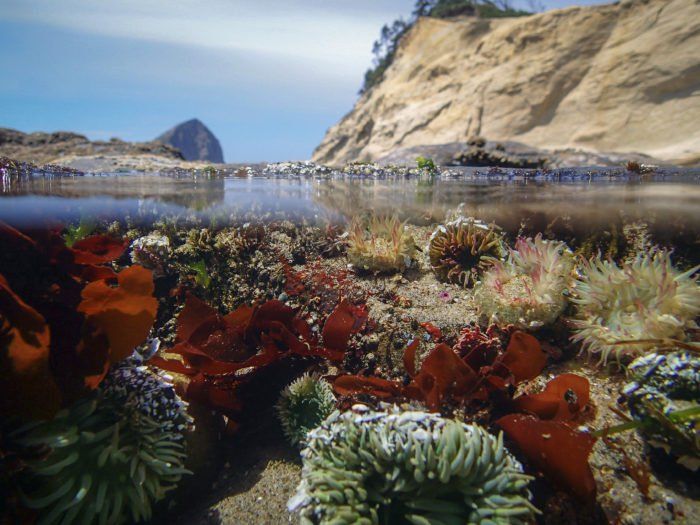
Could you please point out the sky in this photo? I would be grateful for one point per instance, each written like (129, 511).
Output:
(268, 77)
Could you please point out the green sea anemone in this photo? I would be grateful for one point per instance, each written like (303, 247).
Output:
(638, 307)
(366, 467)
(381, 245)
(108, 457)
(303, 405)
(661, 388)
(459, 248)
(527, 290)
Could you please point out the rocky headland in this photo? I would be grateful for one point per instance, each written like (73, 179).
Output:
(58, 147)
(187, 145)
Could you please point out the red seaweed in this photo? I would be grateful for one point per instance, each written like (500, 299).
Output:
(555, 449)
(524, 357)
(562, 399)
(445, 378)
(219, 352)
(27, 387)
(67, 323)
(442, 376)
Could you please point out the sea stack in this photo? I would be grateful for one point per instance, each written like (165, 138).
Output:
(194, 140)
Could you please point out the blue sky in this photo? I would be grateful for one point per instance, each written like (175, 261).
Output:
(268, 77)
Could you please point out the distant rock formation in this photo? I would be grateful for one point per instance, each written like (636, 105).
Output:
(194, 140)
(42, 148)
(617, 78)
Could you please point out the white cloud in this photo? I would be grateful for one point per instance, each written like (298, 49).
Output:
(335, 38)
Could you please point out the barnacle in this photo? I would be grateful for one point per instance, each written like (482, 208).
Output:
(110, 456)
(366, 467)
(660, 388)
(528, 288)
(459, 248)
(303, 405)
(152, 251)
(382, 245)
(631, 309)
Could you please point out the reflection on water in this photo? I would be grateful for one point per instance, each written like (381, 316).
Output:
(668, 206)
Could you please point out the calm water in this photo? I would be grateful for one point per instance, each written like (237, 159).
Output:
(571, 204)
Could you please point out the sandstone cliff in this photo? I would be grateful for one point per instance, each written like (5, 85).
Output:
(615, 78)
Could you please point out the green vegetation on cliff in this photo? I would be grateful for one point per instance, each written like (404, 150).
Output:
(385, 47)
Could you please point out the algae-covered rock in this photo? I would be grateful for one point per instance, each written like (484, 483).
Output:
(661, 389)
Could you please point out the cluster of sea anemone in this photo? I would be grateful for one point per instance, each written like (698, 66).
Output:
(529, 288)
(381, 245)
(110, 456)
(303, 405)
(628, 310)
(393, 466)
(663, 389)
(459, 248)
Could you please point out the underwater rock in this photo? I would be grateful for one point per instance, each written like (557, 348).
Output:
(382, 245)
(527, 290)
(199, 242)
(458, 249)
(660, 387)
(112, 455)
(303, 405)
(634, 308)
(393, 466)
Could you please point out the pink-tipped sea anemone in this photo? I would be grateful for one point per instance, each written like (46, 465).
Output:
(528, 289)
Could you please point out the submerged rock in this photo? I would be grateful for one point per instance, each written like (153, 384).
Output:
(661, 386)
